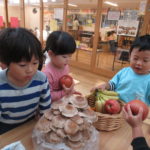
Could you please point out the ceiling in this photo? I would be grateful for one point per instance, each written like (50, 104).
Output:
(129, 4)
(122, 4)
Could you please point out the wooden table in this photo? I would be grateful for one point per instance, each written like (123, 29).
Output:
(114, 140)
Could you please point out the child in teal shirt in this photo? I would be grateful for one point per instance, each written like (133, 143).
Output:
(134, 82)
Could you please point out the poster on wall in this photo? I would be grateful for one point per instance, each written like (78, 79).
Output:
(53, 25)
(1, 21)
(47, 15)
(127, 27)
(113, 15)
(130, 15)
(58, 13)
(142, 7)
(14, 22)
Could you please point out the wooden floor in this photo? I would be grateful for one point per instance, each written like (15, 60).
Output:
(104, 60)
(87, 80)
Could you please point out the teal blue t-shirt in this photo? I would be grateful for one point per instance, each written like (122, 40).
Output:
(131, 86)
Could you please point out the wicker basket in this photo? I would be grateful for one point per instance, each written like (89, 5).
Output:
(106, 122)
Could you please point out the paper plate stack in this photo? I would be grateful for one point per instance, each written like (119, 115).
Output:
(67, 126)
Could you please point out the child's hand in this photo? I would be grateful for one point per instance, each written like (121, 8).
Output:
(103, 86)
(133, 120)
(37, 115)
(68, 90)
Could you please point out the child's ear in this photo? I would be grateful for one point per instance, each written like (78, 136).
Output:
(50, 53)
(3, 65)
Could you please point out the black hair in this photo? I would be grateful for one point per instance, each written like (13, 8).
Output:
(109, 33)
(75, 18)
(17, 44)
(142, 43)
(60, 43)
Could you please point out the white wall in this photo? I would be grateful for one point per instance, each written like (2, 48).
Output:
(2, 11)
(32, 20)
(13, 11)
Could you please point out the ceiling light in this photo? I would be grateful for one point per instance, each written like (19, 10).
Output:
(74, 5)
(53, 0)
(110, 3)
(34, 1)
(14, 1)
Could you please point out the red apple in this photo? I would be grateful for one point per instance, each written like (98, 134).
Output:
(135, 105)
(66, 80)
(112, 106)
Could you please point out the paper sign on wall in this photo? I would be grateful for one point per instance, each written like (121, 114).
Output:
(53, 25)
(127, 27)
(1, 21)
(58, 13)
(113, 15)
(14, 22)
(142, 7)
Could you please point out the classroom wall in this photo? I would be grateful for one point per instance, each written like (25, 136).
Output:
(13, 11)
(2, 11)
(32, 20)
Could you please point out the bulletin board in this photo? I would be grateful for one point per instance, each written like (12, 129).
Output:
(127, 27)
(113, 15)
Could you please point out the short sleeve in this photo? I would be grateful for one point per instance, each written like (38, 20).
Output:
(115, 80)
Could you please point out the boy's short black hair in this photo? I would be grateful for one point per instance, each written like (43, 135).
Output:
(17, 44)
(142, 43)
(60, 43)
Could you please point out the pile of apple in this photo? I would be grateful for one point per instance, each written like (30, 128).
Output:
(107, 102)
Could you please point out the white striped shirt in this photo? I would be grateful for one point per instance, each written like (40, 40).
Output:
(19, 104)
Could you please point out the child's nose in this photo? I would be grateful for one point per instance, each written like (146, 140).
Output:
(68, 59)
(139, 62)
(29, 69)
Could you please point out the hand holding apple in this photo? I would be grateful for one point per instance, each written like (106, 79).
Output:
(67, 84)
(112, 106)
(66, 80)
(135, 105)
(133, 120)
